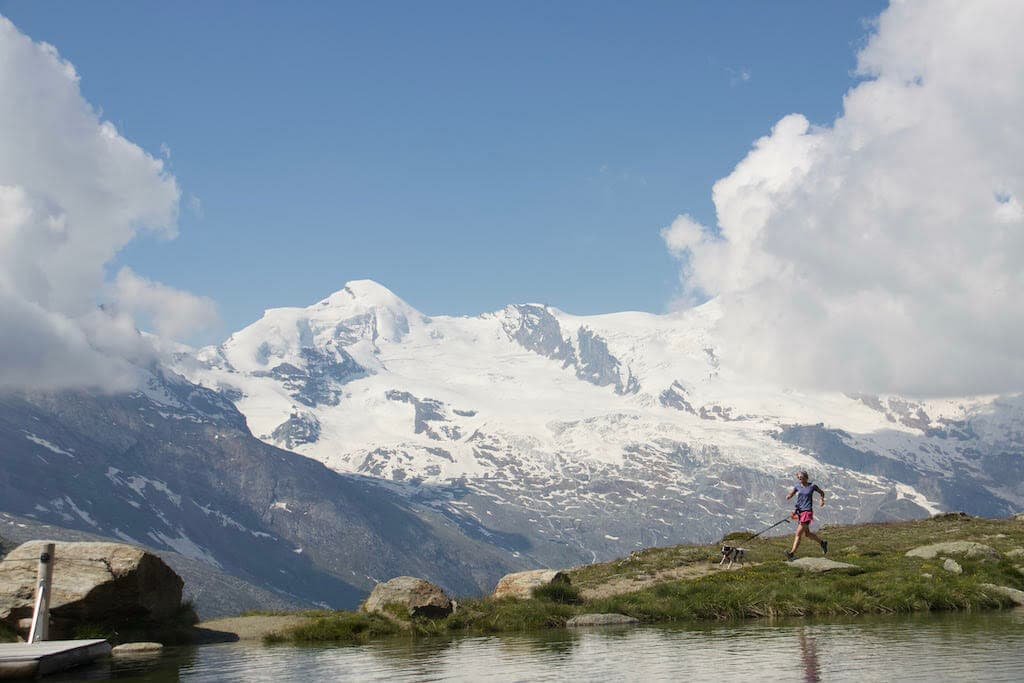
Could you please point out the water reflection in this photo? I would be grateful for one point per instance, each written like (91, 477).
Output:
(809, 657)
(925, 648)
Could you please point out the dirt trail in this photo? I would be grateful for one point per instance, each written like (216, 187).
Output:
(628, 583)
(253, 627)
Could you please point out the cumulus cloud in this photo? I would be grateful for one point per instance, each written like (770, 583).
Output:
(174, 313)
(73, 192)
(885, 251)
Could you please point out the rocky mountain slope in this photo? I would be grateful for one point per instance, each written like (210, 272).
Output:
(216, 592)
(174, 467)
(562, 438)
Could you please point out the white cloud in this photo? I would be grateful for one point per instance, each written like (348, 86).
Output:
(195, 205)
(884, 252)
(738, 76)
(73, 192)
(174, 313)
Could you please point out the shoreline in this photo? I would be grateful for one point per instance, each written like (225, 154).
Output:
(683, 584)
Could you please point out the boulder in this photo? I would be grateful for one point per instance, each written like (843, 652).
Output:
(819, 565)
(1012, 593)
(417, 597)
(106, 583)
(968, 548)
(520, 585)
(952, 566)
(601, 620)
(1015, 553)
(1019, 516)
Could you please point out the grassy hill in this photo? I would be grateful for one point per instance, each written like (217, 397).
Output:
(685, 583)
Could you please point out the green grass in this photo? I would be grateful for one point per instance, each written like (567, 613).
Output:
(562, 592)
(342, 627)
(646, 561)
(886, 582)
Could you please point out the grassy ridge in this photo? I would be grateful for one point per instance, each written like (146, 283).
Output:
(886, 582)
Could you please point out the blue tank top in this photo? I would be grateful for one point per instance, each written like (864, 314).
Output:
(805, 497)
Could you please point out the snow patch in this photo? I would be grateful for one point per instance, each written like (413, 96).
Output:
(39, 441)
(183, 545)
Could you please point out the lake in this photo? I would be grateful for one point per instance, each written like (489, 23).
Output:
(950, 647)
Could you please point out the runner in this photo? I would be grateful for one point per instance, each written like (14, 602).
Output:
(804, 492)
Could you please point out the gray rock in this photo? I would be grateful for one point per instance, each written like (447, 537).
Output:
(601, 620)
(427, 410)
(520, 585)
(299, 429)
(926, 575)
(1016, 552)
(598, 366)
(318, 380)
(820, 565)
(137, 650)
(952, 566)
(1019, 516)
(418, 597)
(536, 329)
(92, 583)
(968, 548)
(676, 397)
(1012, 593)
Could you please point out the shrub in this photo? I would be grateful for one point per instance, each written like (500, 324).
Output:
(558, 591)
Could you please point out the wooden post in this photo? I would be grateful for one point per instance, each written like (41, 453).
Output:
(41, 616)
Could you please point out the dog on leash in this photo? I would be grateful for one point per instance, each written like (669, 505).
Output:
(733, 554)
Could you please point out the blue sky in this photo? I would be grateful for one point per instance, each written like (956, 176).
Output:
(466, 155)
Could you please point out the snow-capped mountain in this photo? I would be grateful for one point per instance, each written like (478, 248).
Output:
(567, 438)
(173, 467)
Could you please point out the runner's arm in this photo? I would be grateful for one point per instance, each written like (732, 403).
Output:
(792, 492)
(820, 493)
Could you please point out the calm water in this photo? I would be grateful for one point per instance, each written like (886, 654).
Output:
(966, 647)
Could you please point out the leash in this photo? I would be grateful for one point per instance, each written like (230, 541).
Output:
(750, 538)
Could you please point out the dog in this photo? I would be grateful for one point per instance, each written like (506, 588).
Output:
(733, 554)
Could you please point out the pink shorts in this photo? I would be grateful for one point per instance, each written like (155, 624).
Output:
(806, 517)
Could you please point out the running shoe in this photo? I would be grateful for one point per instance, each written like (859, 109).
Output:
(790, 556)
(824, 547)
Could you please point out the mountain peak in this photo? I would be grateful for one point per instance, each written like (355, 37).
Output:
(365, 293)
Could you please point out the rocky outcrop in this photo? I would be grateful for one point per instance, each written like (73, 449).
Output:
(298, 429)
(819, 565)
(417, 597)
(968, 548)
(537, 330)
(93, 583)
(522, 584)
(601, 620)
(1012, 593)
